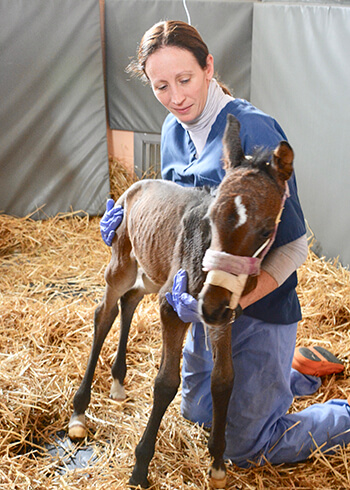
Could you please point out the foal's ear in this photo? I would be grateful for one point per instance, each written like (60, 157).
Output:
(283, 160)
(233, 153)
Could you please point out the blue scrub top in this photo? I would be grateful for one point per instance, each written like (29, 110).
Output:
(181, 165)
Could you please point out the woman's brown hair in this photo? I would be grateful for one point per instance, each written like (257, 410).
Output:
(170, 33)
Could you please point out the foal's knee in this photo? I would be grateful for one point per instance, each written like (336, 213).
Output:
(222, 386)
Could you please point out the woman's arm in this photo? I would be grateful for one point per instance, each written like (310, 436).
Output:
(265, 285)
(278, 265)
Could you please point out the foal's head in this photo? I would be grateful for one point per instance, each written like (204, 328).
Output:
(243, 221)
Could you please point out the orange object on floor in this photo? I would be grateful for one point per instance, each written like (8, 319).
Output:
(316, 361)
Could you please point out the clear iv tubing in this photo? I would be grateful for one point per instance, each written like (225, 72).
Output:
(187, 12)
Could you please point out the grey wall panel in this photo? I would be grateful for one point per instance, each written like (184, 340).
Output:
(301, 75)
(53, 148)
(225, 25)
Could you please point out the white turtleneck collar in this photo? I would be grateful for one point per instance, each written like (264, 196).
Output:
(199, 129)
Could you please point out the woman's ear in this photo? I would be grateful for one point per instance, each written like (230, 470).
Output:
(210, 67)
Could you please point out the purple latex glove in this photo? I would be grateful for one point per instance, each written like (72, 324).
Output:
(185, 305)
(110, 221)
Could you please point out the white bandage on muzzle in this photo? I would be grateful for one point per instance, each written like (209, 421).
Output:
(234, 284)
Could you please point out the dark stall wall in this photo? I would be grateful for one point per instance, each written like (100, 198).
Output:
(53, 150)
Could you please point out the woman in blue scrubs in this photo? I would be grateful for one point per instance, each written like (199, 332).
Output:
(176, 62)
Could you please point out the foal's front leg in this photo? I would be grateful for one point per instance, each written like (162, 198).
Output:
(221, 389)
(165, 388)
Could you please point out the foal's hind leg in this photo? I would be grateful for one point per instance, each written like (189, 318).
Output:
(128, 304)
(119, 280)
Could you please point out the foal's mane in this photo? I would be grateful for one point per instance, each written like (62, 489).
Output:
(260, 161)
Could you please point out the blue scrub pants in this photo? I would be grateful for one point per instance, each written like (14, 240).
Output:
(258, 426)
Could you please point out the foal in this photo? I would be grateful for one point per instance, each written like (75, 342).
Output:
(167, 227)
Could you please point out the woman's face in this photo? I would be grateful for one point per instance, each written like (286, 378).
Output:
(178, 81)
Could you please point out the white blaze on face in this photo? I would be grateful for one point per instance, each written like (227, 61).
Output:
(241, 211)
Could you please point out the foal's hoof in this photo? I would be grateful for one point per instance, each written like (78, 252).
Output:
(217, 478)
(77, 428)
(117, 391)
(138, 478)
(136, 484)
(215, 483)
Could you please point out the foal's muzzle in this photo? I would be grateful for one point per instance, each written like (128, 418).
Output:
(233, 283)
(220, 296)
(224, 285)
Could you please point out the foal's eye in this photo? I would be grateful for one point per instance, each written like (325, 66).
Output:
(266, 233)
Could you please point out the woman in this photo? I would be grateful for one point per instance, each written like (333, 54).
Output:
(176, 62)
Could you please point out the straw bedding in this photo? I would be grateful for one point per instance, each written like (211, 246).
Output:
(51, 280)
